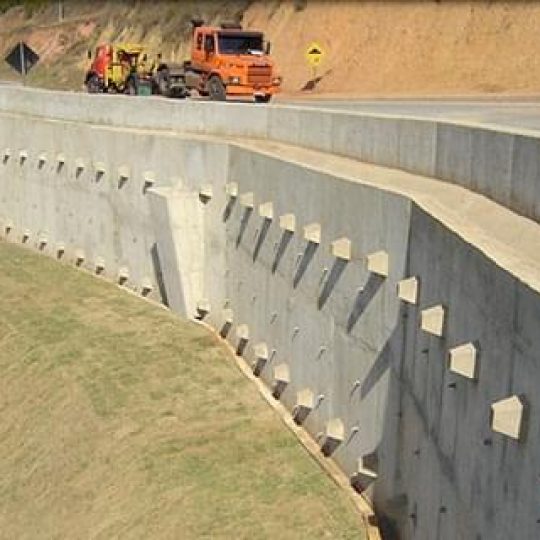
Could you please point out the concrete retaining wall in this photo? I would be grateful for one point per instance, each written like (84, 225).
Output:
(183, 215)
(504, 166)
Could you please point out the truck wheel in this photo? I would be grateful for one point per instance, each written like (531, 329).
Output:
(131, 88)
(92, 84)
(216, 89)
(163, 83)
(263, 99)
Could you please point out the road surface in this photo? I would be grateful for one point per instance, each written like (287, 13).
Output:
(521, 114)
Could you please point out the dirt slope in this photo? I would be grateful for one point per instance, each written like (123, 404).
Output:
(372, 47)
(409, 47)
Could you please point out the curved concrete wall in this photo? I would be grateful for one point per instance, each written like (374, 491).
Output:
(189, 215)
(503, 165)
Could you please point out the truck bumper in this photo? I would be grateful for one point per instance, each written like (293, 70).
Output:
(241, 90)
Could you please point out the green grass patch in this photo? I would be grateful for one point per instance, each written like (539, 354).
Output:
(119, 420)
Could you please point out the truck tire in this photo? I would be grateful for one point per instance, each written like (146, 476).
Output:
(216, 89)
(162, 81)
(93, 85)
(131, 86)
(263, 99)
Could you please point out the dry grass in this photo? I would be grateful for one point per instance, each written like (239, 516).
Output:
(164, 26)
(117, 420)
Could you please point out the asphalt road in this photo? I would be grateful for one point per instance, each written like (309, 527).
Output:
(521, 114)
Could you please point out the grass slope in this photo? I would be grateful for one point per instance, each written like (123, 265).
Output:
(117, 420)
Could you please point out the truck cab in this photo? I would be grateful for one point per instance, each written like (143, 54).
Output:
(229, 61)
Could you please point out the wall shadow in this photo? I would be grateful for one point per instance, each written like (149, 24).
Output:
(391, 504)
(225, 329)
(259, 366)
(228, 209)
(300, 414)
(241, 347)
(279, 388)
(286, 238)
(307, 257)
(263, 233)
(363, 298)
(329, 446)
(158, 272)
(377, 370)
(243, 225)
(337, 269)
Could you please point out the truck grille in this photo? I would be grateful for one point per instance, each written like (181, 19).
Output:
(259, 74)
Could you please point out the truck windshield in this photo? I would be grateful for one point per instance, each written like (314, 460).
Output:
(240, 43)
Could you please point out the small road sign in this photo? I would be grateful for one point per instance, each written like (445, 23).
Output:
(314, 54)
(22, 58)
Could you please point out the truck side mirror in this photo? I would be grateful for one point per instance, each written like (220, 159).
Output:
(89, 54)
(268, 47)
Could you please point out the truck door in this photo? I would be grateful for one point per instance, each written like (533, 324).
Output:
(197, 50)
(204, 51)
(209, 46)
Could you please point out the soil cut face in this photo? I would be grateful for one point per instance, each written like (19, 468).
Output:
(371, 48)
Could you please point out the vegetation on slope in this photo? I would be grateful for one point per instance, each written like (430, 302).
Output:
(164, 26)
(119, 420)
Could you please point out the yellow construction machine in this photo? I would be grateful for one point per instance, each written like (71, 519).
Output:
(119, 68)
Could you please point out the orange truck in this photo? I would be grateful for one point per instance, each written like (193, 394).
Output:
(226, 61)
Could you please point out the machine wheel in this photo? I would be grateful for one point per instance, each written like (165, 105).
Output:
(263, 99)
(131, 88)
(163, 83)
(93, 85)
(216, 89)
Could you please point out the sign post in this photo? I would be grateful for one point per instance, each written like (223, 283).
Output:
(21, 60)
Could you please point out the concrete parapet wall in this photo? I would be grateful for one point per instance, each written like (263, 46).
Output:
(504, 166)
(347, 298)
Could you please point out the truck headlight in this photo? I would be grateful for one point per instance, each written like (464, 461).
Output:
(234, 80)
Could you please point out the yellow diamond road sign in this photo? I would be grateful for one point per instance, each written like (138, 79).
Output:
(314, 54)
